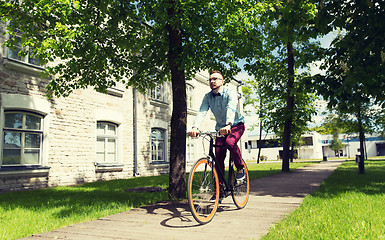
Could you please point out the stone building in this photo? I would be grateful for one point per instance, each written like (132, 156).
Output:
(87, 136)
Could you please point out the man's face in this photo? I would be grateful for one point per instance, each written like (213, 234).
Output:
(215, 81)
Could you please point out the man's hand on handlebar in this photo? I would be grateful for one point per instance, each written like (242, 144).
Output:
(193, 132)
(225, 130)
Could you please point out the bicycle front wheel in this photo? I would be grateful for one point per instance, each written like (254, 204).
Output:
(241, 188)
(203, 191)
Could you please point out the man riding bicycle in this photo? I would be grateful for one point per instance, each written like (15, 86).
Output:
(223, 103)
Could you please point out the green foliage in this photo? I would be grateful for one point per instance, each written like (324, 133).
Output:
(332, 124)
(263, 158)
(95, 41)
(266, 60)
(99, 43)
(353, 82)
(336, 144)
(280, 41)
(355, 61)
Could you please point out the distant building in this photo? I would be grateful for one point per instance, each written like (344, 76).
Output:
(315, 146)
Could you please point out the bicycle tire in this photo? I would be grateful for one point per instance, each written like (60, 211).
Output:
(240, 193)
(203, 184)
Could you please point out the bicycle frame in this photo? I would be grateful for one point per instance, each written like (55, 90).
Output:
(228, 186)
(203, 189)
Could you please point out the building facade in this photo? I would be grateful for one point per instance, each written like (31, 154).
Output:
(87, 136)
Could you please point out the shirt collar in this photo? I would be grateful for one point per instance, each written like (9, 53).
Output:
(218, 93)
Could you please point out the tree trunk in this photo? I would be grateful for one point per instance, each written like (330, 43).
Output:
(292, 152)
(177, 177)
(361, 165)
(260, 139)
(289, 110)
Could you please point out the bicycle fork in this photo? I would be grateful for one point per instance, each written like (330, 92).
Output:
(207, 174)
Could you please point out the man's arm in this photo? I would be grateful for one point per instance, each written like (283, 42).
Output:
(231, 107)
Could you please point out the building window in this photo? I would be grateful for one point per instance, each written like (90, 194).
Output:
(248, 144)
(106, 142)
(14, 53)
(158, 145)
(158, 93)
(307, 141)
(269, 143)
(23, 137)
(189, 92)
(117, 90)
(190, 150)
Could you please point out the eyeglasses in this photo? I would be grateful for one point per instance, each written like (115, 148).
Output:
(214, 79)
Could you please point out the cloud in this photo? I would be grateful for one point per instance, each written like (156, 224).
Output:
(315, 67)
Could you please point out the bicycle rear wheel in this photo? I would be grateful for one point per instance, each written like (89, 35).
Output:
(241, 188)
(203, 191)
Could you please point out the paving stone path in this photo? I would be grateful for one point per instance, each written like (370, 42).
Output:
(271, 199)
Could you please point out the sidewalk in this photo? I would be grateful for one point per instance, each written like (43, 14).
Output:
(271, 198)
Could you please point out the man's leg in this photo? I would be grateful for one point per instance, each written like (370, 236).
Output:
(220, 155)
(231, 144)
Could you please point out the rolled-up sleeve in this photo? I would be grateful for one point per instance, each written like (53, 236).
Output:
(231, 107)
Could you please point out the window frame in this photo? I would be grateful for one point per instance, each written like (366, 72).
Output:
(23, 131)
(27, 59)
(107, 137)
(159, 87)
(190, 96)
(163, 140)
(21, 63)
(190, 150)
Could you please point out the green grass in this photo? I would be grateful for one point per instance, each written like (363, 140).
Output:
(348, 205)
(266, 169)
(29, 212)
(25, 213)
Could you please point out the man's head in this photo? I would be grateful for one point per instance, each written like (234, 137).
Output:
(216, 80)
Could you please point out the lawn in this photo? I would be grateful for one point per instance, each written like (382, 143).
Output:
(348, 205)
(28, 212)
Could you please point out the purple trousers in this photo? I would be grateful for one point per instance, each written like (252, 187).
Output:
(231, 144)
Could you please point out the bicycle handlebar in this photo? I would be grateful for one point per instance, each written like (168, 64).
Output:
(210, 133)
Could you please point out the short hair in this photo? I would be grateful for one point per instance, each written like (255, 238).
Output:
(216, 71)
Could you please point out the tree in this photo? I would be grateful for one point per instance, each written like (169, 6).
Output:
(358, 52)
(255, 102)
(336, 144)
(332, 124)
(139, 43)
(277, 44)
(355, 61)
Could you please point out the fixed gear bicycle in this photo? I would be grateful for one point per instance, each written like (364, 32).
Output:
(203, 184)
